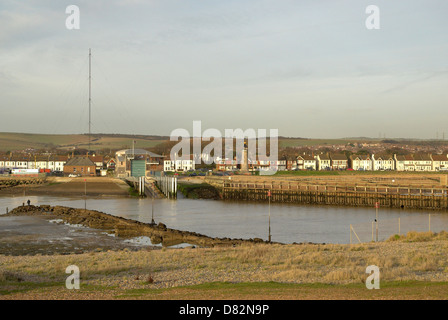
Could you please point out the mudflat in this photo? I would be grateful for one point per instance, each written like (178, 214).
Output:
(62, 186)
(48, 235)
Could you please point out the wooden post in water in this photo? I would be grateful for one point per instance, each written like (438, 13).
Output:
(152, 212)
(269, 197)
(377, 205)
(350, 234)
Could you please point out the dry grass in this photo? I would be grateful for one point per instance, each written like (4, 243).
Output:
(332, 264)
(413, 236)
(9, 276)
(403, 260)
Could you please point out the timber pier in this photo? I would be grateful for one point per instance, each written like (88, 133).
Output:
(428, 195)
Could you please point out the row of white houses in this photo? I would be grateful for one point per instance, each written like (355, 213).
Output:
(179, 165)
(53, 163)
(416, 162)
(424, 163)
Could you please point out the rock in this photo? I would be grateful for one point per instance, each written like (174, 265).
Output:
(156, 239)
(161, 226)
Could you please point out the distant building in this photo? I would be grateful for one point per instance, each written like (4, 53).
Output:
(279, 165)
(291, 164)
(323, 162)
(111, 163)
(179, 165)
(226, 165)
(383, 162)
(81, 165)
(306, 162)
(262, 164)
(361, 162)
(57, 163)
(416, 162)
(123, 168)
(404, 162)
(339, 161)
(423, 162)
(41, 162)
(120, 166)
(98, 161)
(439, 162)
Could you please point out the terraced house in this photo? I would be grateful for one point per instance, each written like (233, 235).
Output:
(417, 162)
(383, 162)
(323, 162)
(361, 162)
(48, 162)
(226, 165)
(179, 164)
(439, 162)
(53, 162)
(306, 162)
(403, 162)
(423, 162)
(339, 161)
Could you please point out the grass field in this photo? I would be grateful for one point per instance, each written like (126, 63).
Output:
(401, 290)
(291, 291)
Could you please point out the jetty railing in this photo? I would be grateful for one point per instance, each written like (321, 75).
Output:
(337, 194)
(168, 186)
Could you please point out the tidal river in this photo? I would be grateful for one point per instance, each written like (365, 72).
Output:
(289, 223)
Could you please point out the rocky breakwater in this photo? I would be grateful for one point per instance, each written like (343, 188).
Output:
(127, 228)
(11, 182)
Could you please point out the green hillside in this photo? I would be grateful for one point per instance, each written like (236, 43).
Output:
(21, 141)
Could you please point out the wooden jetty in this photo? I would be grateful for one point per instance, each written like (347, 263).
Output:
(331, 193)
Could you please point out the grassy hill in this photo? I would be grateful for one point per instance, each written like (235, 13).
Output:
(10, 141)
(21, 141)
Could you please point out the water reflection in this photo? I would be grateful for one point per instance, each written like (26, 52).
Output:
(289, 223)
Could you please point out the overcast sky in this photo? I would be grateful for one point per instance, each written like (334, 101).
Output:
(307, 68)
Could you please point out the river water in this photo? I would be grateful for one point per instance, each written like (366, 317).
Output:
(289, 222)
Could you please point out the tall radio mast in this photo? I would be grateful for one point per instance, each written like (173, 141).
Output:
(90, 89)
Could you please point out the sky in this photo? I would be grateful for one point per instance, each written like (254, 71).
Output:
(309, 68)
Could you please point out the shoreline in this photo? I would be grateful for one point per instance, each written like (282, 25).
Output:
(66, 187)
(124, 228)
(46, 235)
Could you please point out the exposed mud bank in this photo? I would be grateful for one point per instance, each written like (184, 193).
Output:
(127, 228)
(63, 186)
